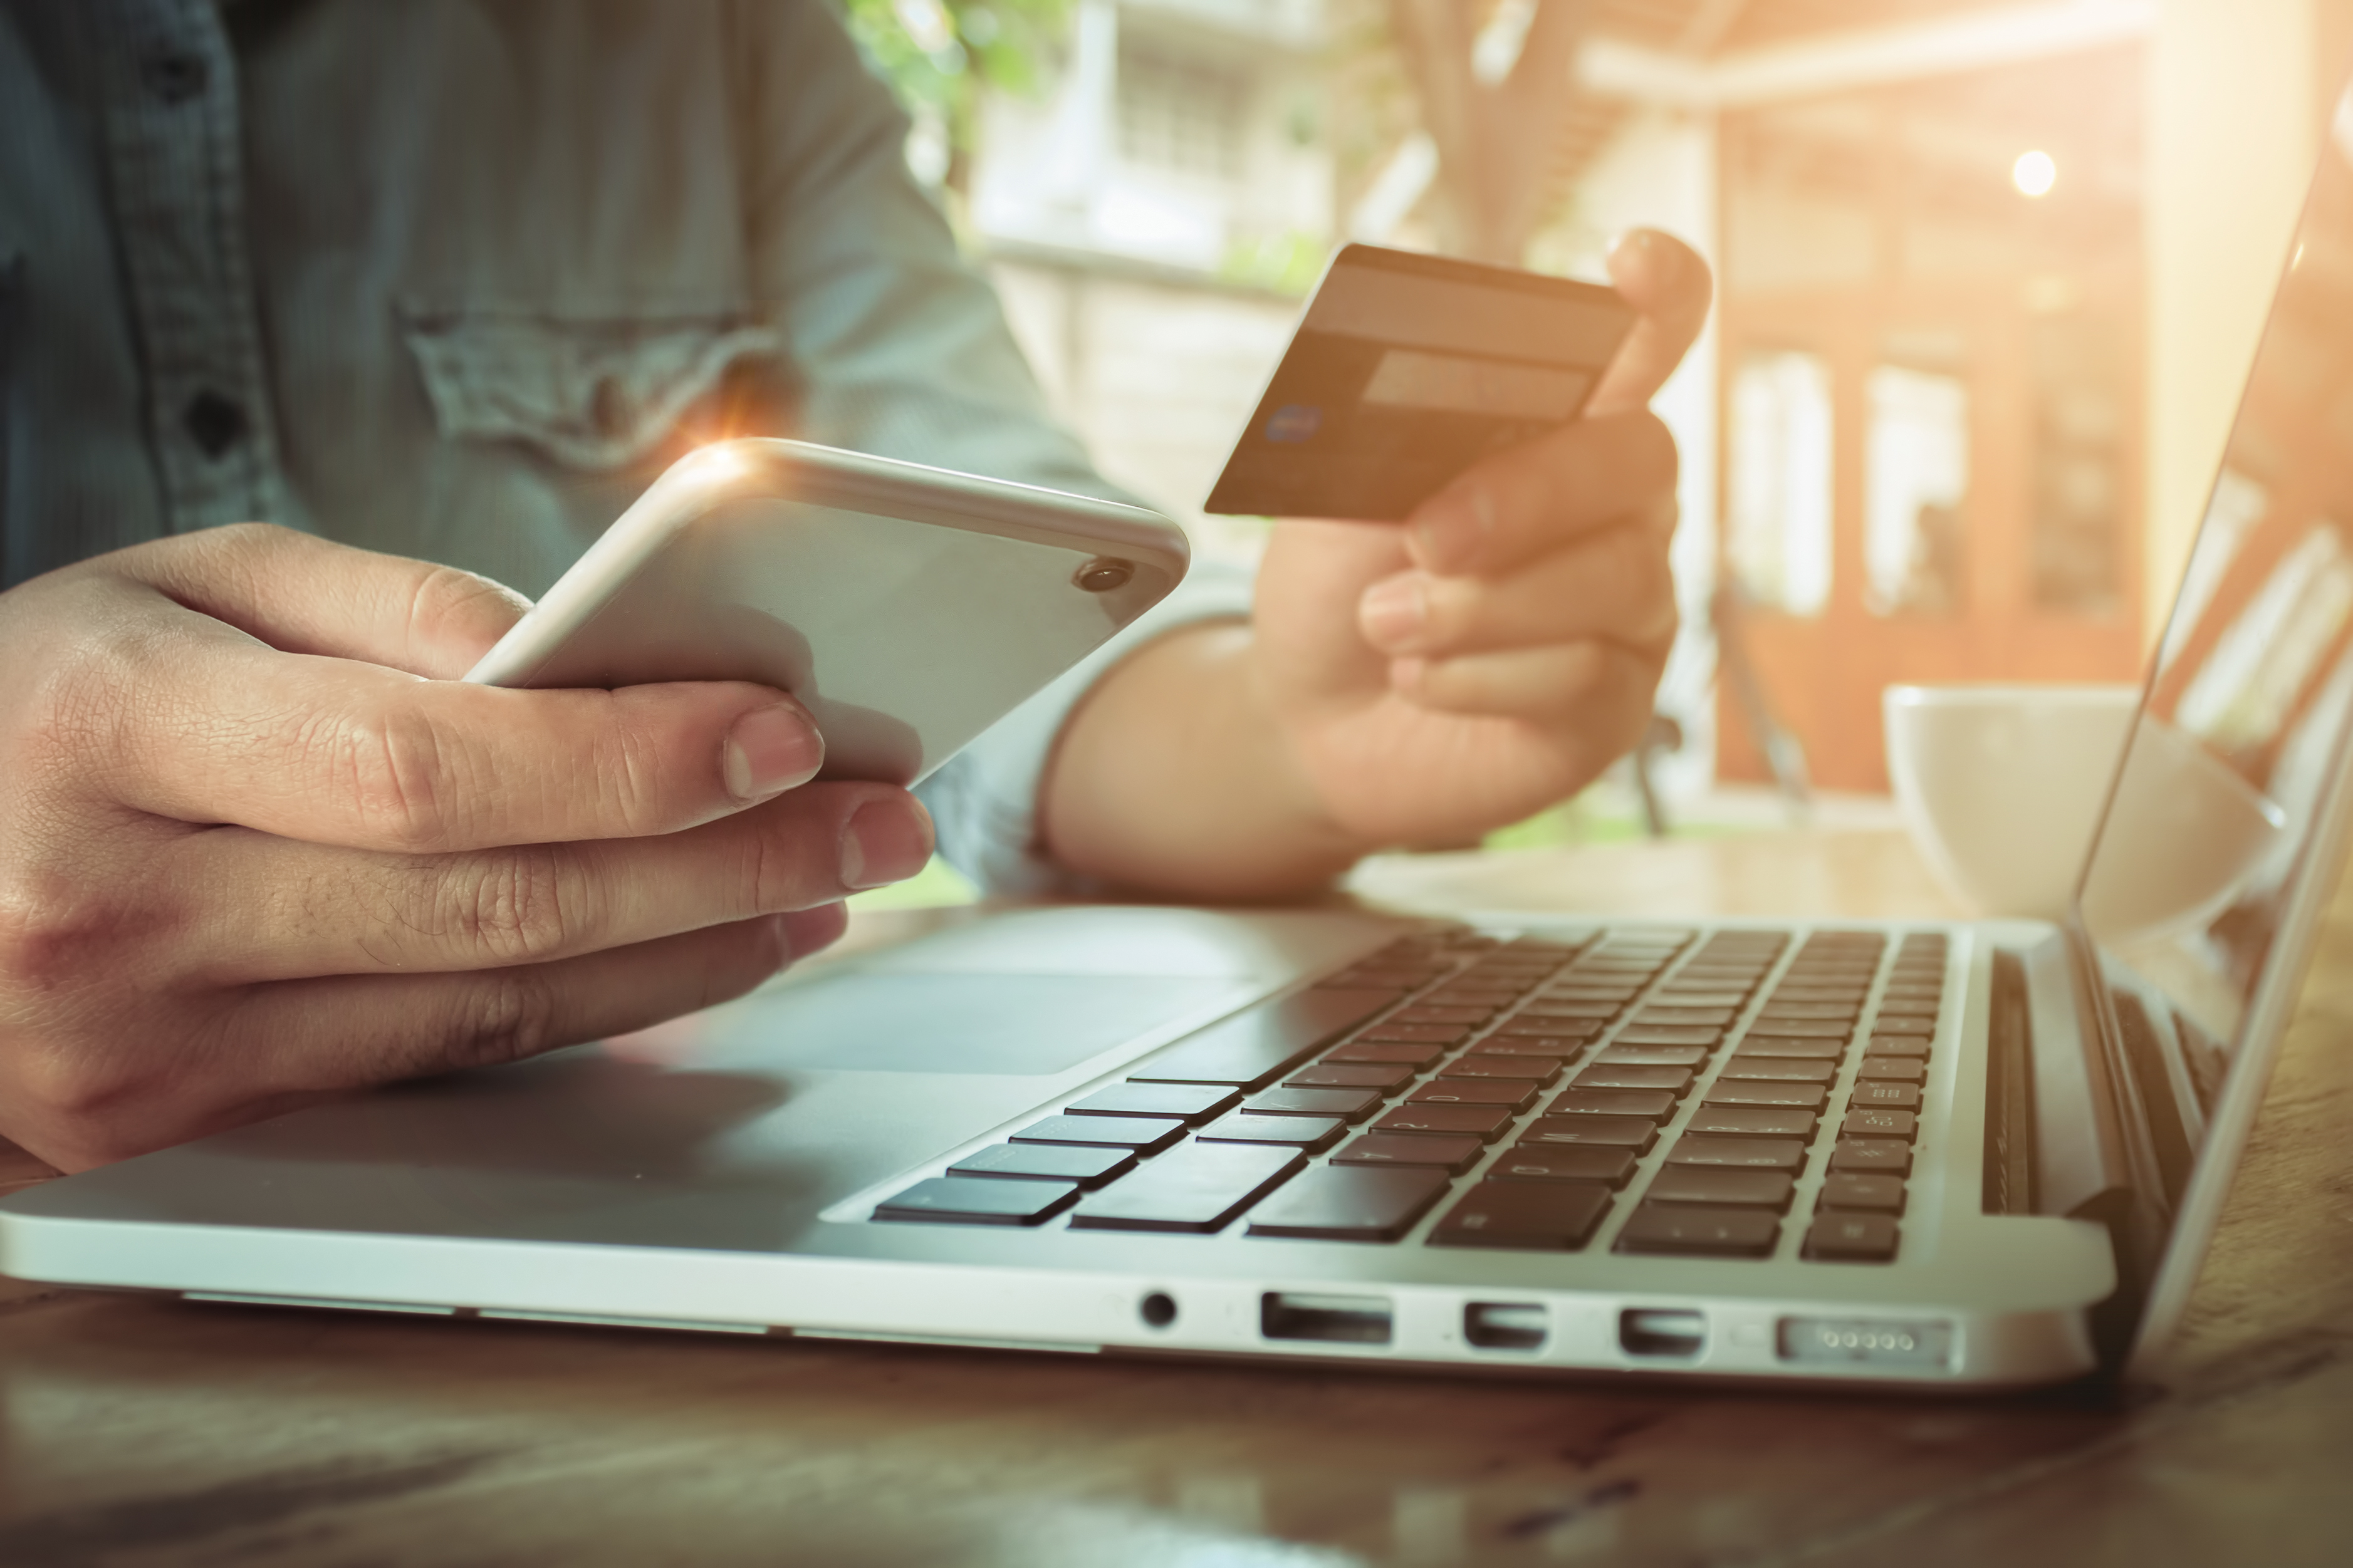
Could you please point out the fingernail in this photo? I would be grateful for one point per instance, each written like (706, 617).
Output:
(770, 749)
(1453, 527)
(1393, 610)
(888, 841)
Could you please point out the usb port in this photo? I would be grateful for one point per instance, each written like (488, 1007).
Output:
(1346, 1320)
(1505, 1326)
(1661, 1333)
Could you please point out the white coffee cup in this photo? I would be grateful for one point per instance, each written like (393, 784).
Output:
(2001, 786)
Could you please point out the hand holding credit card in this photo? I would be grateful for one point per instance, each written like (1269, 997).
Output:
(1407, 369)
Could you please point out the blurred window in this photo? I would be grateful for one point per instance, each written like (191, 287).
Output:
(1777, 512)
(1180, 114)
(2076, 530)
(1916, 478)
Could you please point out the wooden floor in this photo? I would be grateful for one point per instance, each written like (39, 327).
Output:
(143, 1432)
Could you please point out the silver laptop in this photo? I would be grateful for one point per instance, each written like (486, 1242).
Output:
(1968, 1154)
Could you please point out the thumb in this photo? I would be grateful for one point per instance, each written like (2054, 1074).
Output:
(1668, 284)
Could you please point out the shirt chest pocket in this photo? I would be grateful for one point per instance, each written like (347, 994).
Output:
(596, 393)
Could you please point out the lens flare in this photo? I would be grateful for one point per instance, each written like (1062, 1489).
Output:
(2035, 174)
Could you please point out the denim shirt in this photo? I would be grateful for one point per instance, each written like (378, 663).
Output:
(455, 278)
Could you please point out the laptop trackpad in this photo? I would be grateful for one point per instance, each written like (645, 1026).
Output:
(1029, 1025)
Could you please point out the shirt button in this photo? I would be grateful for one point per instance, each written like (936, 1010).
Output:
(608, 406)
(174, 76)
(213, 421)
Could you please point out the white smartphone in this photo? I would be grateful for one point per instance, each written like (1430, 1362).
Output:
(907, 608)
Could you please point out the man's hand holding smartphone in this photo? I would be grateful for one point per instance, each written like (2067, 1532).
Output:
(258, 845)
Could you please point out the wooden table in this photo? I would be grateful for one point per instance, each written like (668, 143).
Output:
(142, 1431)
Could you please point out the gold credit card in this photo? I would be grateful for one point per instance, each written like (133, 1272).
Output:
(1407, 369)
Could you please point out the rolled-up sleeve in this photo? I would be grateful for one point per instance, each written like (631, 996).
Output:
(901, 349)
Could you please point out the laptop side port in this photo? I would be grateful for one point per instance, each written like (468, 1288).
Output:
(1818, 1341)
(1662, 1333)
(1345, 1320)
(1505, 1325)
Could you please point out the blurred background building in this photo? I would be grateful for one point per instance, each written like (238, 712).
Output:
(1990, 276)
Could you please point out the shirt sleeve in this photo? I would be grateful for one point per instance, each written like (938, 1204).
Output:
(902, 350)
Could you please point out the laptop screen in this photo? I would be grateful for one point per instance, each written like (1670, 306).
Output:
(2211, 831)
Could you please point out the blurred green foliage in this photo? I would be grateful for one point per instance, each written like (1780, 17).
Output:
(1281, 263)
(938, 54)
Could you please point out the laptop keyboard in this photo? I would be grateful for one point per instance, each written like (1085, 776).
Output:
(1526, 1091)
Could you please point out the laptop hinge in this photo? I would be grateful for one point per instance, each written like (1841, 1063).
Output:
(2087, 1165)
(2082, 1167)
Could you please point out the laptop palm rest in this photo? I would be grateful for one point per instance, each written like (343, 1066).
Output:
(737, 1128)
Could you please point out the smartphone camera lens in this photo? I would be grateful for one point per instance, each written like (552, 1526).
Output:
(1103, 573)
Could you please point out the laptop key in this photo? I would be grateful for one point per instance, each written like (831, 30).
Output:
(1738, 1091)
(1695, 1230)
(1313, 1133)
(1652, 1056)
(1796, 1050)
(1876, 1121)
(1531, 1217)
(1748, 1154)
(1635, 1132)
(1667, 1035)
(1530, 1045)
(1089, 1167)
(1697, 1017)
(1252, 1048)
(1148, 1134)
(1526, 1161)
(1519, 1025)
(1196, 1189)
(1717, 1184)
(1424, 1034)
(1452, 1000)
(1903, 1028)
(1832, 1010)
(1674, 1081)
(1779, 1069)
(1518, 1094)
(1454, 1154)
(1711, 997)
(1440, 1016)
(1852, 1239)
(1348, 1104)
(1900, 1096)
(1770, 1022)
(1860, 1190)
(1654, 1104)
(1414, 1056)
(1893, 1070)
(1383, 1076)
(1538, 1071)
(1481, 1121)
(1897, 1046)
(1753, 1120)
(951, 1200)
(1349, 1203)
(1184, 1101)
(1887, 1156)
(1567, 1017)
